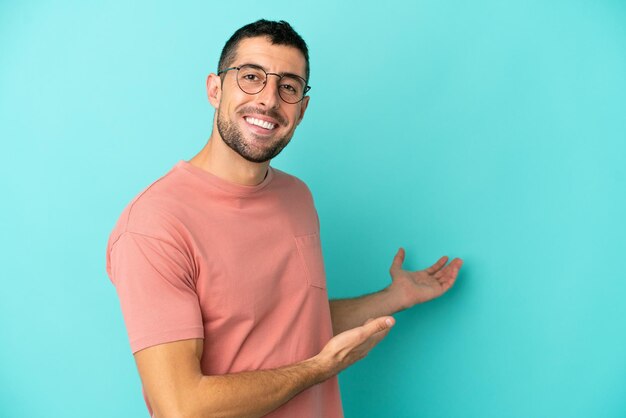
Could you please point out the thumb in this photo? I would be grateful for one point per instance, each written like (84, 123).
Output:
(398, 259)
(374, 326)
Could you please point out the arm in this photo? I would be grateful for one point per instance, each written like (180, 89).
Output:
(175, 386)
(407, 288)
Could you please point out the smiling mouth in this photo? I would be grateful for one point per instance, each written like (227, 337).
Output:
(260, 123)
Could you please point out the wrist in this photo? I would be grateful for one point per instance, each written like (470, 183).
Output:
(321, 368)
(396, 298)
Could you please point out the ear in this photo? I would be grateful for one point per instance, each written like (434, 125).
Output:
(214, 89)
(303, 105)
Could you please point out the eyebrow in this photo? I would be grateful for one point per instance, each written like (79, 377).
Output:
(281, 74)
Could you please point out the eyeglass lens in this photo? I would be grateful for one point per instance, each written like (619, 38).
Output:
(252, 80)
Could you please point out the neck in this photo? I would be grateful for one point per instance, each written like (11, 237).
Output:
(220, 160)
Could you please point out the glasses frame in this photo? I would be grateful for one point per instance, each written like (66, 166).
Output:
(280, 76)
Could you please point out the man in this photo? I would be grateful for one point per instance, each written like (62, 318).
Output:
(218, 264)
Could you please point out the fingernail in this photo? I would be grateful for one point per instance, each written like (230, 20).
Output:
(389, 322)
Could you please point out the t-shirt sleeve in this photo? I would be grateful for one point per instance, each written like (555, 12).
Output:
(155, 285)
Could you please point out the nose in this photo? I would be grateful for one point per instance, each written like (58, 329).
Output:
(269, 95)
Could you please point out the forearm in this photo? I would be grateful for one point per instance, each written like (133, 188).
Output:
(352, 312)
(176, 387)
(250, 394)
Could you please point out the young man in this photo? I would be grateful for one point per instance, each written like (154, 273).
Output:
(218, 264)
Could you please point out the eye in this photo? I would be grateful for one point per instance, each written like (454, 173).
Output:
(288, 88)
(250, 77)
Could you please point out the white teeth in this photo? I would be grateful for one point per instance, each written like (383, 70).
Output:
(261, 123)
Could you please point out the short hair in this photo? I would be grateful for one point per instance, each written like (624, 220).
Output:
(279, 33)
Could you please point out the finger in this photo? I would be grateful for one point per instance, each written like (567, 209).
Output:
(457, 263)
(447, 276)
(447, 281)
(438, 265)
(372, 333)
(377, 325)
(452, 268)
(398, 259)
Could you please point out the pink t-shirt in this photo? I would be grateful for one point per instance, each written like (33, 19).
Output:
(194, 256)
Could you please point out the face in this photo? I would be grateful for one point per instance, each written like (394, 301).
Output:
(258, 127)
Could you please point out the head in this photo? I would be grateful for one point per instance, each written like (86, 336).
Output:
(279, 33)
(258, 126)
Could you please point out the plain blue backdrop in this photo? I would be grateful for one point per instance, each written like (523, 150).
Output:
(494, 131)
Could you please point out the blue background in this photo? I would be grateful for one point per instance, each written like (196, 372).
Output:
(494, 131)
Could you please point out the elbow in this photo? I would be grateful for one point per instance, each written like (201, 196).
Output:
(180, 404)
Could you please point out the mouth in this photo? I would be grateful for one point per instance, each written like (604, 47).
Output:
(260, 124)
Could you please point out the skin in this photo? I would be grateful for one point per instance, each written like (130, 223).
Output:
(231, 103)
(171, 373)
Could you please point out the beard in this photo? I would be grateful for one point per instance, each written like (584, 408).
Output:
(234, 138)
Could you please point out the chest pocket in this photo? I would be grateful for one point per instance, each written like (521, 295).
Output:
(310, 250)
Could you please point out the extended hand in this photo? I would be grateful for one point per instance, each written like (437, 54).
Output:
(421, 286)
(351, 346)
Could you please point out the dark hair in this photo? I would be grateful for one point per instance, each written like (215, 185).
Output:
(279, 33)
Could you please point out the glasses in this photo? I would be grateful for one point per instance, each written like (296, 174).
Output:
(252, 79)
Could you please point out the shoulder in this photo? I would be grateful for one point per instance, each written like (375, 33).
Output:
(290, 182)
(154, 212)
(297, 197)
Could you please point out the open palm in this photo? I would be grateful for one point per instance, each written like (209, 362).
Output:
(423, 285)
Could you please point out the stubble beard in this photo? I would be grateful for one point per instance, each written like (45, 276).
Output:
(233, 137)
